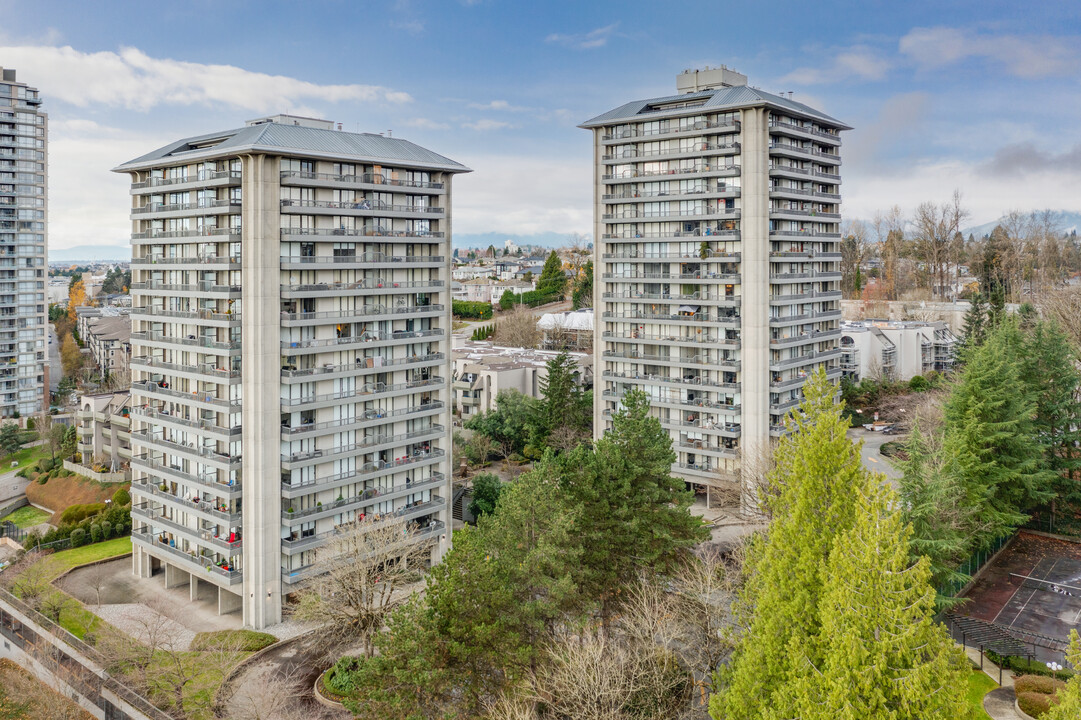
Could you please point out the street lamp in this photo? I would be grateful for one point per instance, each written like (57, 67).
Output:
(1054, 667)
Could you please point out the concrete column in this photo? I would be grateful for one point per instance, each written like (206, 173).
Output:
(446, 249)
(261, 375)
(229, 602)
(754, 271)
(193, 588)
(175, 577)
(140, 562)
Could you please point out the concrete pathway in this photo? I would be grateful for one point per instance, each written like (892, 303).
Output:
(999, 704)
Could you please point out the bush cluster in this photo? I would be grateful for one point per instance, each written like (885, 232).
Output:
(533, 298)
(1033, 703)
(1037, 684)
(471, 310)
(483, 332)
(341, 679)
(92, 525)
(1023, 666)
(242, 640)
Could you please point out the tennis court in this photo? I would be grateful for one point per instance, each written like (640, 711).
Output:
(1032, 589)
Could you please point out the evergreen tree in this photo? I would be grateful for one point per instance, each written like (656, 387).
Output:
(561, 399)
(1048, 365)
(996, 308)
(486, 491)
(878, 654)
(1069, 698)
(932, 503)
(812, 500)
(633, 514)
(991, 440)
(10, 438)
(974, 331)
(552, 279)
(582, 295)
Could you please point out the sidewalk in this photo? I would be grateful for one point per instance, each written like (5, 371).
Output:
(999, 703)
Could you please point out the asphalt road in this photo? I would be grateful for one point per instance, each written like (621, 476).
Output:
(872, 458)
(12, 487)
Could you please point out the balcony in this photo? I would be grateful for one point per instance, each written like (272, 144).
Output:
(224, 177)
(696, 318)
(368, 418)
(367, 312)
(674, 360)
(359, 367)
(204, 370)
(190, 559)
(376, 286)
(209, 262)
(368, 497)
(215, 511)
(375, 339)
(203, 316)
(698, 127)
(366, 392)
(693, 150)
(680, 402)
(362, 207)
(709, 255)
(692, 380)
(204, 207)
(702, 296)
(313, 457)
(206, 455)
(156, 391)
(721, 277)
(779, 126)
(202, 288)
(629, 213)
(407, 513)
(698, 446)
(331, 233)
(203, 425)
(727, 234)
(696, 339)
(367, 471)
(806, 358)
(300, 574)
(159, 469)
(720, 169)
(159, 340)
(229, 234)
(293, 177)
(369, 258)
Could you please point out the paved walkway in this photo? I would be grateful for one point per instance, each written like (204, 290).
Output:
(999, 704)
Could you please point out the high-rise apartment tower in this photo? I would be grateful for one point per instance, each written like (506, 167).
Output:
(717, 230)
(24, 173)
(290, 352)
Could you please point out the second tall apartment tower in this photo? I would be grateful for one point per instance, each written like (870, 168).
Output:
(716, 226)
(291, 321)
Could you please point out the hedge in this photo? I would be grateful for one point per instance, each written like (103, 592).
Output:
(472, 310)
(1034, 704)
(1037, 684)
(533, 298)
(1024, 666)
(242, 640)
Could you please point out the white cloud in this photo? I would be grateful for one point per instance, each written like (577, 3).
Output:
(487, 124)
(859, 62)
(585, 41)
(413, 27)
(426, 124)
(132, 79)
(498, 105)
(986, 195)
(1026, 56)
(549, 195)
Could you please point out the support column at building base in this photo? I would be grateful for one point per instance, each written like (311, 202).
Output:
(140, 563)
(175, 577)
(193, 590)
(228, 602)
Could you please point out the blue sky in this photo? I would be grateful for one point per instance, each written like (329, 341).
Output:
(980, 96)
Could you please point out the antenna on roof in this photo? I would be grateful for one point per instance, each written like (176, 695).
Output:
(390, 133)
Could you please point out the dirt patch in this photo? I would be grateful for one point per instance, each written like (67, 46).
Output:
(59, 493)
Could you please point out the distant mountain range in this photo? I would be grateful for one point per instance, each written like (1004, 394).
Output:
(1068, 221)
(93, 253)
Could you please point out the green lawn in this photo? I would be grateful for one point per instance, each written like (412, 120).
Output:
(25, 457)
(67, 559)
(978, 686)
(27, 516)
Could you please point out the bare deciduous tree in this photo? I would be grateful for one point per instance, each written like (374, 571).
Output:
(1064, 306)
(934, 229)
(363, 573)
(517, 328)
(270, 694)
(44, 701)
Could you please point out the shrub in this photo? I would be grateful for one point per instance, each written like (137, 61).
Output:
(21, 473)
(242, 640)
(341, 678)
(918, 383)
(474, 310)
(1037, 684)
(121, 497)
(106, 529)
(1022, 666)
(77, 513)
(95, 532)
(506, 300)
(45, 465)
(1035, 704)
(42, 479)
(78, 537)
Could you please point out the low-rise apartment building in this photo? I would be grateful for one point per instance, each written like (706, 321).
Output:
(896, 350)
(103, 427)
(571, 330)
(482, 369)
(106, 333)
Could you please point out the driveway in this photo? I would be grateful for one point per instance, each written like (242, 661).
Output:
(873, 459)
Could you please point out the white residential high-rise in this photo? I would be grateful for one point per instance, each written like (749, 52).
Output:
(24, 173)
(716, 226)
(290, 352)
